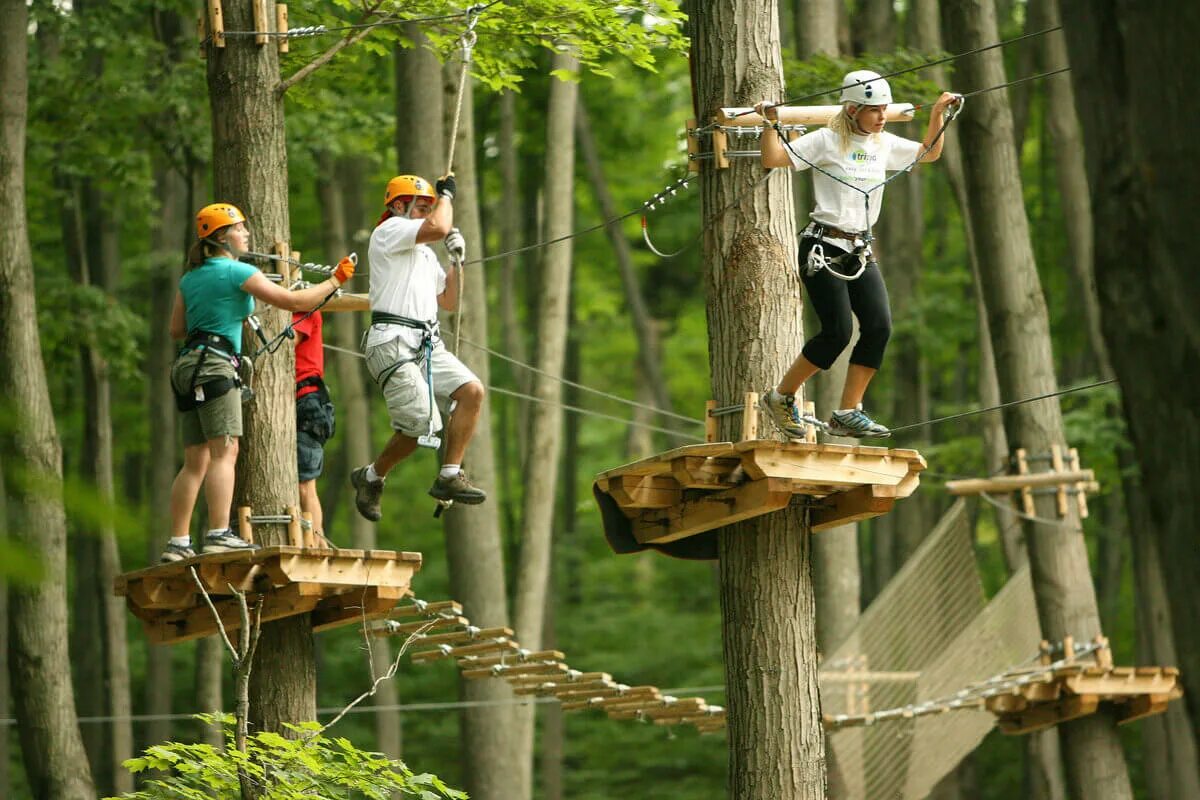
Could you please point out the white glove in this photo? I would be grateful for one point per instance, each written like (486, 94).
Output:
(456, 245)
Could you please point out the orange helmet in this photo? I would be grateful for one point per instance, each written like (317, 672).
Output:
(212, 218)
(408, 186)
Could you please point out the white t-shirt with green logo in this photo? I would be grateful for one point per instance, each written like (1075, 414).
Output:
(864, 165)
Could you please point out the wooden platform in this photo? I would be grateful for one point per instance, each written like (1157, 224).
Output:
(1077, 690)
(698, 488)
(339, 587)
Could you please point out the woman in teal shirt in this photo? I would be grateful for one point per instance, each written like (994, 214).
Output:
(216, 295)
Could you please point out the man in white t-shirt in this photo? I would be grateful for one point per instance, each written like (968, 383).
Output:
(404, 350)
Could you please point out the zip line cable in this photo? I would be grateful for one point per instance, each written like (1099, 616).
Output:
(974, 412)
(926, 65)
(575, 409)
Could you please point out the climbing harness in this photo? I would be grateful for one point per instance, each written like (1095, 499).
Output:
(198, 394)
(818, 260)
(430, 335)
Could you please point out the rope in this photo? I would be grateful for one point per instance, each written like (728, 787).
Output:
(467, 41)
(1053, 523)
(575, 409)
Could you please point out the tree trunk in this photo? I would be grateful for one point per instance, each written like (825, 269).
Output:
(250, 171)
(1148, 317)
(545, 439)
(776, 743)
(874, 26)
(44, 705)
(354, 425)
(497, 767)
(816, 27)
(649, 362)
(1025, 367)
(5, 705)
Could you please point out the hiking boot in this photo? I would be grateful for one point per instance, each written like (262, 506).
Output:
(367, 494)
(176, 552)
(225, 541)
(457, 488)
(783, 410)
(856, 423)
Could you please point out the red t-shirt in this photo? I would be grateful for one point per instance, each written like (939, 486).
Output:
(310, 352)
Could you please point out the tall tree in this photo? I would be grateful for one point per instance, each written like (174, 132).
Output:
(44, 705)
(250, 170)
(776, 743)
(1020, 331)
(497, 765)
(5, 704)
(1148, 314)
(542, 469)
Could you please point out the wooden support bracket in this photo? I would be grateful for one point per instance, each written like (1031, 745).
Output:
(260, 21)
(853, 505)
(720, 143)
(710, 422)
(281, 25)
(713, 511)
(645, 491)
(693, 149)
(216, 23)
(750, 417)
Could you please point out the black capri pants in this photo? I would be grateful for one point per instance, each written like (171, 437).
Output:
(835, 300)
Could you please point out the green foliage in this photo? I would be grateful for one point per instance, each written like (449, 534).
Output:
(308, 766)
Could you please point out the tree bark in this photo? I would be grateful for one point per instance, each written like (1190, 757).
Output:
(1020, 332)
(1148, 315)
(776, 743)
(44, 705)
(497, 766)
(353, 424)
(546, 417)
(5, 688)
(874, 26)
(816, 27)
(250, 171)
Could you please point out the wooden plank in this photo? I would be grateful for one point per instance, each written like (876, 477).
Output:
(1012, 483)
(170, 593)
(712, 511)
(355, 607)
(341, 570)
(281, 25)
(693, 148)
(824, 466)
(549, 670)
(703, 472)
(852, 505)
(260, 21)
(710, 422)
(659, 464)
(720, 143)
(1142, 706)
(750, 416)
(1043, 716)
(468, 635)
(1119, 683)
(424, 625)
(1080, 488)
(644, 491)
(1060, 497)
(493, 646)
(197, 622)
(519, 657)
(216, 23)
(1023, 470)
(631, 694)
(347, 302)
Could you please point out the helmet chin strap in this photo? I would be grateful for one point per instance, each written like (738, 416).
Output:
(228, 248)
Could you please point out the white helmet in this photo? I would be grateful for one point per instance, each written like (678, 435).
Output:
(865, 88)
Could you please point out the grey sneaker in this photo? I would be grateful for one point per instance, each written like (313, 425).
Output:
(786, 414)
(367, 494)
(176, 552)
(457, 488)
(224, 541)
(856, 423)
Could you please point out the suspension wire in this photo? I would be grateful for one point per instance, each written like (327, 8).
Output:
(321, 30)
(926, 65)
(1053, 523)
(583, 387)
(1069, 390)
(575, 409)
(1014, 82)
(448, 705)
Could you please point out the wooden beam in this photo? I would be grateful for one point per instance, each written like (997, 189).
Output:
(348, 302)
(1026, 494)
(348, 608)
(281, 25)
(260, 21)
(750, 416)
(805, 115)
(1036, 718)
(720, 143)
(852, 505)
(703, 472)
(710, 422)
(818, 464)
(693, 149)
(644, 491)
(517, 658)
(712, 511)
(216, 23)
(1010, 483)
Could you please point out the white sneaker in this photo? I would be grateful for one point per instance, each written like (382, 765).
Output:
(856, 423)
(224, 541)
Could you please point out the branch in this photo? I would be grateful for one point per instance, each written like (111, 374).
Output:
(327, 56)
(220, 625)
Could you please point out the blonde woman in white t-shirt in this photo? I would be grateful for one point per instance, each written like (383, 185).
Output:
(850, 158)
(403, 348)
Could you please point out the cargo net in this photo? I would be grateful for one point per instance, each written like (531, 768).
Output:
(927, 635)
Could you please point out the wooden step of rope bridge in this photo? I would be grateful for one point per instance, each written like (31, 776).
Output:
(339, 587)
(665, 500)
(438, 631)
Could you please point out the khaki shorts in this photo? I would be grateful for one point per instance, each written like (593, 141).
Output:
(406, 392)
(215, 419)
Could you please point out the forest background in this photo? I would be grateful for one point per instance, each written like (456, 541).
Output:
(118, 111)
